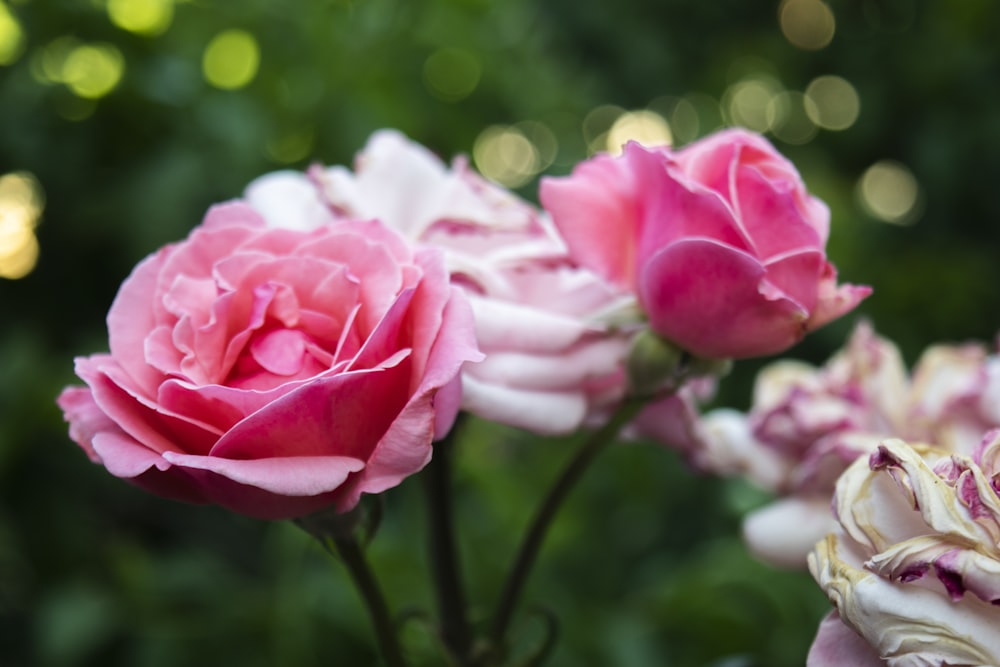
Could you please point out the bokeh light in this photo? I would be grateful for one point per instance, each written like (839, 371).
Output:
(292, 146)
(47, 63)
(451, 74)
(231, 59)
(788, 120)
(543, 139)
(11, 36)
(889, 192)
(644, 126)
(93, 70)
(21, 203)
(807, 24)
(832, 102)
(747, 102)
(596, 125)
(684, 121)
(143, 17)
(505, 155)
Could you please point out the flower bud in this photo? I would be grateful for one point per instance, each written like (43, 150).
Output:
(653, 364)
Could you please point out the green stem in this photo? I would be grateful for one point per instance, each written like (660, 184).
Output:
(537, 530)
(364, 579)
(445, 564)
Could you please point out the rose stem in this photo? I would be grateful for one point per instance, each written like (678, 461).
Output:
(364, 579)
(537, 530)
(445, 565)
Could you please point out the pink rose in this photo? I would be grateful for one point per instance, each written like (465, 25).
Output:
(550, 330)
(275, 372)
(720, 242)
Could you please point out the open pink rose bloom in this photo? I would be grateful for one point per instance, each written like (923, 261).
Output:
(720, 242)
(275, 372)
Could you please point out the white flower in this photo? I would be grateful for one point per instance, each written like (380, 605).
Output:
(807, 424)
(914, 567)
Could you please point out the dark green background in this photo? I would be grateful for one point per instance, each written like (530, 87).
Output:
(645, 566)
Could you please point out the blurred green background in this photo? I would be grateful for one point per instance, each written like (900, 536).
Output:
(122, 120)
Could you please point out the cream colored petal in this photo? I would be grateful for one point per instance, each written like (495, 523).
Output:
(884, 509)
(909, 626)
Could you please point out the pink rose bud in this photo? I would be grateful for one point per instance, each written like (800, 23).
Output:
(275, 372)
(720, 242)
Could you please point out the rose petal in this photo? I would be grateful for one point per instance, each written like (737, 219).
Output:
(836, 645)
(595, 210)
(707, 298)
(784, 532)
(545, 413)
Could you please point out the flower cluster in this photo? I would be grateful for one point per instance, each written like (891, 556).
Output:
(554, 334)
(312, 341)
(808, 424)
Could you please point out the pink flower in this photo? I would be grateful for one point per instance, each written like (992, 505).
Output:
(720, 242)
(275, 372)
(913, 568)
(550, 330)
(807, 424)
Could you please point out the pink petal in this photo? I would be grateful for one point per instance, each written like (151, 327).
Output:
(331, 416)
(280, 351)
(836, 645)
(833, 300)
(710, 299)
(673, 207)
(447, 405)
(132, 317)
(124, 457)
(272, 488)
(85, 418)
(232, 213)
(403, 450)
(596, 211)
(139, 415)
(796, 274)
(286, 476)
(772, 218)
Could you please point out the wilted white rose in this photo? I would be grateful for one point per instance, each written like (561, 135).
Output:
(808, 423)
(913, 568)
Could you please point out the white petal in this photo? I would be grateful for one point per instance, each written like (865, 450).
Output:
(546, 413)
(784, 532)
(287, 199)
(568, 371)
(909, 626)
